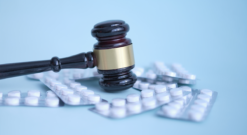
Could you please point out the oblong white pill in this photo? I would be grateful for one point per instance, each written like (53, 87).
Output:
(15, 93)
(169, 111)
(50, 94)
(147, 93)
(52, 101)
(143, 85)
(86, 93)
(204, 97)
(32, 101)
(133, 98)
(118, 112)
(80, 88)
(12, 100)
(65, 92)
(102, 106)
(160, 88)
(201, 102)
(74, 85)
(118, 102)
(176, 92)
(195, 115)
(207, 92)
(134, 107)
(149, 102)
(33, 93)
(74, 99)
(59, 87)
(162, 97)
(94, 98)
(185, 88)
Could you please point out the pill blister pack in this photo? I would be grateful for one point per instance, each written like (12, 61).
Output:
(151, 84)
(74, 74)
(135, 104)
(71, 92)
(197, 109)
(31, 98)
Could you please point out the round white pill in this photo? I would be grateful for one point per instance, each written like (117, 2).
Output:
(48, 80)
(67, 81)
(118, 102)
(54, 83)
(147, 93)
(74, 85)
(151, 75)
(136, 85)
(198, 108)
(94, 98)
(133, 98)
(12, 100)
(149, 102)
(204, 97)
(32, 101)
(118, 112)
(86, 93)
(80, 88)
(134, 107)
(143, 85)
(65, 92)
(152, 86)
(169, 111)
(195, 115)
(102, 106)
(50, 94)
(179, 101)
(59, 87)
(52, 101)
(176, 92)
(38, 75)
(160, 88)
(186, 88)
(201, 102)
(137, 73)
(188, 76)
(207, 92)
(175, 105)
(15, 93)
(170, 73)
(33, 93)
(171, 85)
(163, 97)
(74, 99)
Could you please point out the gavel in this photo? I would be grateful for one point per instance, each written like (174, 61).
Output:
(112, 55)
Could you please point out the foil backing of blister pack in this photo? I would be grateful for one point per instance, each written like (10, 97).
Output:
(197, 109)
(72, 93)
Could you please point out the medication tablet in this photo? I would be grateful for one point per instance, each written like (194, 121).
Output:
(33, 93)
(143, 85)
(50, 94)
(151, 76)
(189, 76)
(169, 111)
(102, 106)
(204, 97)
(1, 95)
(134, 107)
(175, 105)
(133, 98)
(87, 93)
(74, 84)
(163, 97)
(171, 85)
(195, 115)
(176, 92)
(80, 88)
(179, 101)
(53, 74)
(54, 83)
(207, 92)
(186, 88)
(118, 102)
(33, 101)
(48, 80)
(38, 75)
(67, 92)
(147, 93)
(94, 98)
(198, 108)
(59, 87)
(118, 112)
(67, 81)
(52, 101)
(160, 88)
(152, 86)
(14, 94)
(74, 99)
(12, 101)
(149, 102)
(136, 85)
(77, 75)
(201, 102)
(170, 73)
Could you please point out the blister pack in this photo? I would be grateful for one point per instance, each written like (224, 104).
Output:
(74, 74)
(32, 98)
(197, 109)
(135, 104)
(71, 92)
(151, 84)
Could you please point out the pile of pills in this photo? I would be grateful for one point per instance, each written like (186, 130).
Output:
(71, 92)
(133, 104)
(195, 110)
(184, 76)
(31, 98)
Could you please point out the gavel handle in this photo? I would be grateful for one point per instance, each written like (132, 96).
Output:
(82, 60)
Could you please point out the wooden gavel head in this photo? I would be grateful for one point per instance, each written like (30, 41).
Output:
(113, 55)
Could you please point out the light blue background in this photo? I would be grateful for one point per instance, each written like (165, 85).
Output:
(208, 38)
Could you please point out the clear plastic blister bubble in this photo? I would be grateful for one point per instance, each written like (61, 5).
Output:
(31, 98)
(197, 109)
(75, 74)
(71, 92)
(134, 104)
